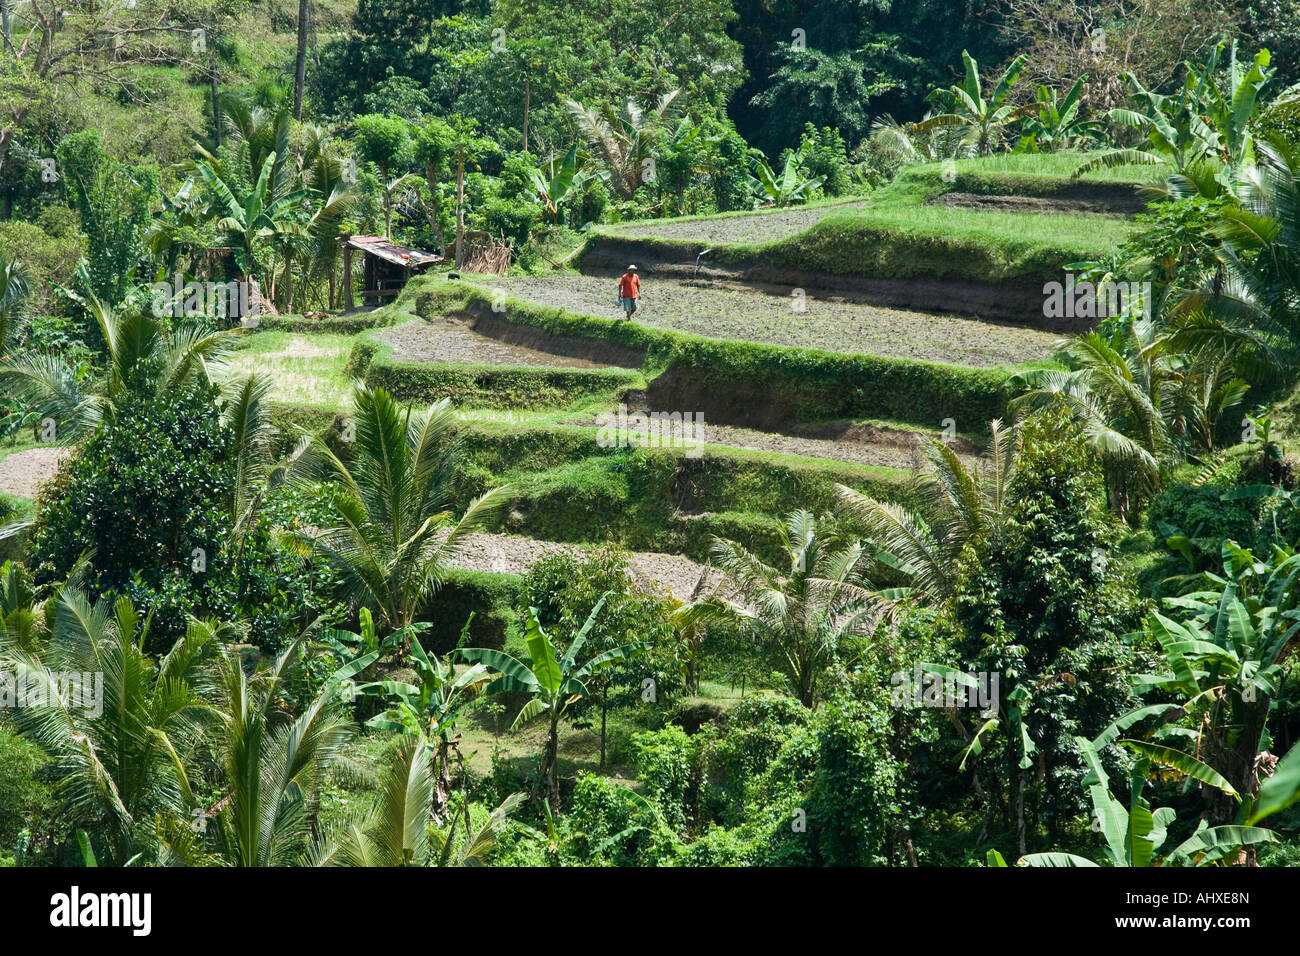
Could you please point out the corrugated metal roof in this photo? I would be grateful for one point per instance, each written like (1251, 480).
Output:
(391, 252)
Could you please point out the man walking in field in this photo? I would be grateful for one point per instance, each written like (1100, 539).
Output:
(629, 287)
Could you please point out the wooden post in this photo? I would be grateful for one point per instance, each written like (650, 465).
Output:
(348, 304)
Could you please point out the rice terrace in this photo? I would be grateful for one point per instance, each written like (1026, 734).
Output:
(723, 434)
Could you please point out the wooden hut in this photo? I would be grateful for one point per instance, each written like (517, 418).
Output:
(388, 267)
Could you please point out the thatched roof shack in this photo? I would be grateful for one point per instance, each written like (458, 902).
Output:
(388, 266)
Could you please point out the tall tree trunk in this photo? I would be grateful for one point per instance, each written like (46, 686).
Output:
(9, 45)
(549, 770)
(288, 284)
(435, 201)
(460, 206)
(528, 97)
(442, 783)
(1020, 812)
(300, 64)
(604, 713)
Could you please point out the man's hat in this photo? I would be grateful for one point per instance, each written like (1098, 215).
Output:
(631, 268)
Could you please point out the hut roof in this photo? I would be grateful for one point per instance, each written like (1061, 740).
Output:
(390, 251)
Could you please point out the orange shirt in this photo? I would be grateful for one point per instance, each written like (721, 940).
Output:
(629, 285)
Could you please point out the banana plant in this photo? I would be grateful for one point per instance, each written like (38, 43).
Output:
(430, 709)
(1059, 123)
(1205, 120)
(1134, 833)
(982, 120)
(793, 186)
(563, 183)
(1222, 666)
(552, 681)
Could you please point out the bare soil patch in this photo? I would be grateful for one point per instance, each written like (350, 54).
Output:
(759, 227)
(23, 472)
(1109, 204)
(454, 341)
(760, 313)
(506, 554)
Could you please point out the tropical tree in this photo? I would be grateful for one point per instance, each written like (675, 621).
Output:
(262, 214)
(561, 182)
(959, 505)
(396, 527)
(966, 108)
(14, 286)
(1222, 668)
(805, 611)
(1207, 119)
(624, 139)
(145, 359)
(121, 745)
(272, 764)
(1060, 122)
(397, 832)
(791, 187)
(1134, 832)
(430, 710)
(552, 681)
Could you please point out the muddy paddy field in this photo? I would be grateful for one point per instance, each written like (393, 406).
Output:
(770, 314)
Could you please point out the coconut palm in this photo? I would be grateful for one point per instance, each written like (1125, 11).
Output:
(982, 121)
(272, 764)
(552, 682)
(804, 611)
(959, 505)
(624, 139)
(145, 360)
(396, 528)
(1117, 389)
(15, 285)
(1250, 306)
(397, 833)
(122, 758)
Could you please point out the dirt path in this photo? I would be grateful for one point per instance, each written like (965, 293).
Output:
(23, 472)
(449, 340)
(756, 227)
(506, 554)
(771, 314)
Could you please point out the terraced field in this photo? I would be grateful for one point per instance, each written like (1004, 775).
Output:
(761, 226)
(768, 314)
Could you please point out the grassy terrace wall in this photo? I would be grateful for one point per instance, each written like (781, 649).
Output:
(484, 386)
(570, 488)
(755, 384)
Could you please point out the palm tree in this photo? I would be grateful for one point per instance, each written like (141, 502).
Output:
(396, 528)
(552, 682)
(982, 120)
(272, 764)
(15, 284)
(1117, 389)
(145, 360)
(264, 213)
(1249, 306)
(397, 833)
(802, 612)
(624, 140)
(959, 506)
(122, 758)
